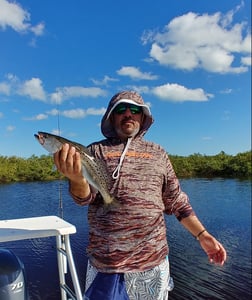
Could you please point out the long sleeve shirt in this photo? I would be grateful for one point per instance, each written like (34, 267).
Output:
(131, 234)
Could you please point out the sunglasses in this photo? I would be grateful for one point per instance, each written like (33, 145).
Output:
(122, 107)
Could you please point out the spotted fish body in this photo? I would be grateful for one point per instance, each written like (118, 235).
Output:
(92, 169)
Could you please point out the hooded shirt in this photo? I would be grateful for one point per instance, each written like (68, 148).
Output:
(130, 236)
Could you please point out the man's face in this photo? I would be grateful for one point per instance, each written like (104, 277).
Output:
(127, 120)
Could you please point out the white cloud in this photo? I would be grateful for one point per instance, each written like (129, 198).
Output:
(38, 117)
(106, 79)
(135, 73)
(33, 88)
(12, 78)
(41, 117)
(179, 93)
(140, 89)
(10, 128)
(4, 88)
(14, 16)
(173, 92)
(246, 60)
(38, 29)
(78, 113)
(205, 41)
(95, 111)
(53, 112)
(64, 93)
(1, 115)
(226, 91)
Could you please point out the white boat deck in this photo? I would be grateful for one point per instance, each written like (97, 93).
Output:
(42, 227)
(30, 228)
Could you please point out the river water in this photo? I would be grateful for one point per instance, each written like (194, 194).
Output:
(223, 205)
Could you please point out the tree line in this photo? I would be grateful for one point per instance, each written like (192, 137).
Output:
(220, 165)
(34, 168)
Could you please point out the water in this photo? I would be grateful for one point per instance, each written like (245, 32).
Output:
(224, 206)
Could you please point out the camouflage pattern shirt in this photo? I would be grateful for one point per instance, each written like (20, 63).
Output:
(131, 235)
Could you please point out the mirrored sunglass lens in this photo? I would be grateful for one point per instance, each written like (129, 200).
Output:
(121, 109)
(135, 109)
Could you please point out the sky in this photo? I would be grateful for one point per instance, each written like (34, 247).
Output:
(61, 62)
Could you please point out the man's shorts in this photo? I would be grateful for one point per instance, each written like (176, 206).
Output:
(153, 284)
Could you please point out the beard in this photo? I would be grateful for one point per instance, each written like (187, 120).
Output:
(128, 128)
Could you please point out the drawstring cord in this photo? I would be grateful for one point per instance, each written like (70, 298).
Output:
(116, 172)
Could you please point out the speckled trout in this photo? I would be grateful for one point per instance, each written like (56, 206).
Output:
(92, 169)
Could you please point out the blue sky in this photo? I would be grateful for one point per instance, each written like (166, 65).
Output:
(61, 62)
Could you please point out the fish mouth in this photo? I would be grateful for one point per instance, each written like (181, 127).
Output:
(40, 138)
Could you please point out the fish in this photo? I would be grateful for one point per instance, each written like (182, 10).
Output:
(92, 169)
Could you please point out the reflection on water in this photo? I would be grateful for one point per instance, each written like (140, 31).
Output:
(224, 206)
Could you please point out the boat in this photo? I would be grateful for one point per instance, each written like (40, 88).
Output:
(13, 285)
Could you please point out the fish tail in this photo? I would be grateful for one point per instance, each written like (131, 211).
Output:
(109, 199)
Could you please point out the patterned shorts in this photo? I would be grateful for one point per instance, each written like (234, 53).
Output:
(153, 284)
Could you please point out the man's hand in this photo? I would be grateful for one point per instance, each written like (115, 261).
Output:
(215, 251)
(68, 162)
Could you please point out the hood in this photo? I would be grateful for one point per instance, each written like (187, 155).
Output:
(130, 97)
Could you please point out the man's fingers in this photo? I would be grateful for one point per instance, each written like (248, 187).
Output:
(218, 257)
(64, 153)
(77, 163)
(63, 158)
(69, 161)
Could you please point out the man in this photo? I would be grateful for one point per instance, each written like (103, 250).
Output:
(128, 250)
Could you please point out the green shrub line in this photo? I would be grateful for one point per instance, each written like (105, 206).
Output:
(34, 168)
(220, 165)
